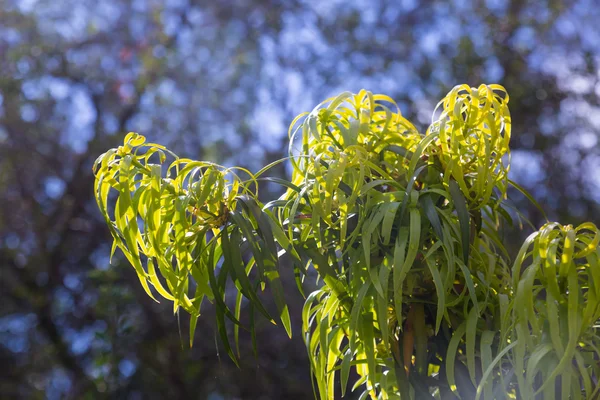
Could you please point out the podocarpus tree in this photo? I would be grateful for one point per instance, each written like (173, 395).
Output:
(417, 293)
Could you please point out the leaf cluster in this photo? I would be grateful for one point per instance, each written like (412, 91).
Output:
(418, 295)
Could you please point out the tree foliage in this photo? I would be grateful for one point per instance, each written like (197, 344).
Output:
(418, 292)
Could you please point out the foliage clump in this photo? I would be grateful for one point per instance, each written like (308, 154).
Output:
(418, 293)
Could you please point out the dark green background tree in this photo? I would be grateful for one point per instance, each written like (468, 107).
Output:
(221, 81)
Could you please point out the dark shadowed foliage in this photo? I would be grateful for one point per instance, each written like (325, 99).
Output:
(221, 80)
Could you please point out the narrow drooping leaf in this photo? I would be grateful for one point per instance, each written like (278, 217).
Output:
(463, 218)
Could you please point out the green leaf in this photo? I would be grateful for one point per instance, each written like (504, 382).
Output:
(233, 258)
(487, 340)
(400, 269)
(451, 356)
(440, 292)
(464, 219)
(218, 287)
(432, 214)
(345, 371)
(382, 303)
(491, 367)
(368, 341)
(401, 151)
(222, 309)
(529, 197)
(471, 335)
(421, 339)
(355, 315)
(193, 323)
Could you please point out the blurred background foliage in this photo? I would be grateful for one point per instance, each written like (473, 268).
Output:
(221, 80)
